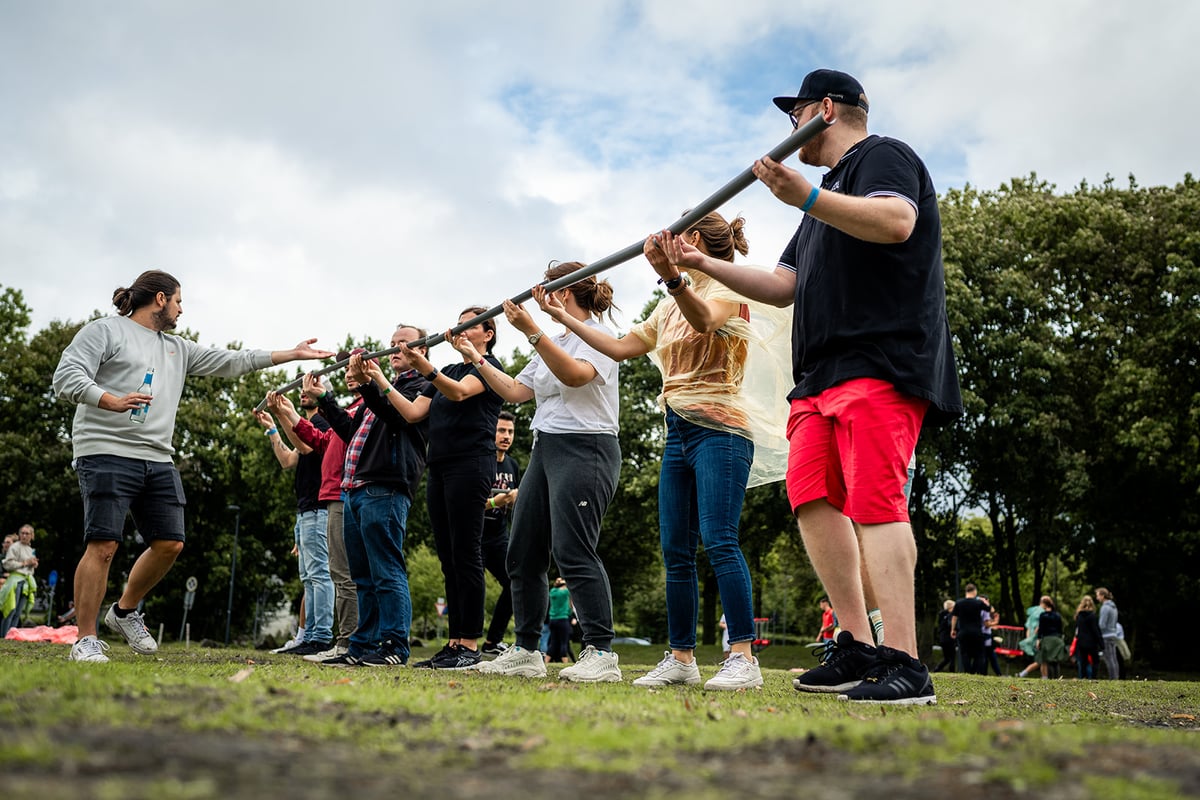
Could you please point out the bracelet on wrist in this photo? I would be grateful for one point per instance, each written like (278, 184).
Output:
(672, 283)
(812, 198)
(387, 387)
(481, 361)
(272, 431)
(679, 285)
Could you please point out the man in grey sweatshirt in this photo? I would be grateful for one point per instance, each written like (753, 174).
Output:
(1108, 630)
(126, 375)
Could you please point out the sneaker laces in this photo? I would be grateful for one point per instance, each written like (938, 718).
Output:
(92, 646)
(668, 661)
(138, 621)
(736, 663)
(826, 652)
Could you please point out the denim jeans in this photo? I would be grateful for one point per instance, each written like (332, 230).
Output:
(313, 541)
(373, 527)
(701, 487)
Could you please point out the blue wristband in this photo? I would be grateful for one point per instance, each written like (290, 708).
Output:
(272, 431)
(812, 198)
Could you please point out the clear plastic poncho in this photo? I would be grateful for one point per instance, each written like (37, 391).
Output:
(735, 379)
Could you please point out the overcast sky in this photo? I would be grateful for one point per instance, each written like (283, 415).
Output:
(320, 169)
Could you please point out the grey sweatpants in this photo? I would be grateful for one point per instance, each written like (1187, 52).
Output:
(565, 491)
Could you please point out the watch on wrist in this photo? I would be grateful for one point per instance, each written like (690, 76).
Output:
(534, 338)
(432, 375)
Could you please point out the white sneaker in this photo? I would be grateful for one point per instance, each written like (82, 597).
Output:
(517, 661)
(89, 648)
(670, 671)
(317, 658)
(737, 672)
(593, 666)
(133, 628)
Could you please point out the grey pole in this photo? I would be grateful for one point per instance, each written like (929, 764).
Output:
(237, 519)
(714, 201)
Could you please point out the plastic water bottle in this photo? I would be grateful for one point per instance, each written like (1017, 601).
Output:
(139, 414)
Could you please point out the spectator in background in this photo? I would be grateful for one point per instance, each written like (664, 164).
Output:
(1051, 650)
(945, 639)
(559, 648)
(1108, 629)
(1088, 639)
(828, 621)
(966, 627)
(496, 518)
(991, 618)
(20, 560)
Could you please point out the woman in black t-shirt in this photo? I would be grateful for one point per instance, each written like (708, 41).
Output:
(1051, 651)
(462, 411)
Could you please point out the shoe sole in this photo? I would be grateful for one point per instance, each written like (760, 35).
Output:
(516, 673)
(601, 679)
(658, 684)
(457, 668)
(841, 687)
(718, 688)
(929, 700)
(117, 629)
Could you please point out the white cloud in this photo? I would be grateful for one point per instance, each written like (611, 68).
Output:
(332, 171)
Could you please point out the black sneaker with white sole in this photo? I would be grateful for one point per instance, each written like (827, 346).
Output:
(344, 660)
(428, 662)
(457, 658)
(389, 655)
(896, 679)
(844, 662)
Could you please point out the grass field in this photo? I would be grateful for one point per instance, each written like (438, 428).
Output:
(218, 723)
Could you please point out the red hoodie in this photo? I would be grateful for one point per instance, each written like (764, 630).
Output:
(332, 450)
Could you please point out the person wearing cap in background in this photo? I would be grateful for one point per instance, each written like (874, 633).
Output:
(871, 353)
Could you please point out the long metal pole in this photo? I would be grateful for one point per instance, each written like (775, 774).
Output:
(714, 201)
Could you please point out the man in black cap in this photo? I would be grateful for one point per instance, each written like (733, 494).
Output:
(872, 361)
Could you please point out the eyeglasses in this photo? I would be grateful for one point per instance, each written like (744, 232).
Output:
(794, 114)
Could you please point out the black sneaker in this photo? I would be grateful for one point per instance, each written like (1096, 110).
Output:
(493, 649)
(459, 658)
(844, 662)
(428, 663)
(389, 655)
(344, 660)
(896, 679)
(308, 648)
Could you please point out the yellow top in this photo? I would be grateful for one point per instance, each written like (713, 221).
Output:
(735, 379)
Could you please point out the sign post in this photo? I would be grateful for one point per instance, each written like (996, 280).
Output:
(188, 599)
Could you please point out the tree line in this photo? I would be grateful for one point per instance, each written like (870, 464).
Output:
(1076, 318)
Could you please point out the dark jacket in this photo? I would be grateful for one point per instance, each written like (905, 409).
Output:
(394, 452)
(1087, 631)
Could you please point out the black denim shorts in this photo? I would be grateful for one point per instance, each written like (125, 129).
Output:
(112, 486)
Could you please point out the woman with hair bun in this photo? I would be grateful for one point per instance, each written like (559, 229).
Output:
(571, 478)
(723, 390)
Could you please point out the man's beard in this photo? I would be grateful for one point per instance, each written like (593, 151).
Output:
(162, 322)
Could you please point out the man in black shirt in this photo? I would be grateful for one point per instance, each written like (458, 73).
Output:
(872, 361)
(966, 628)
(497, 515)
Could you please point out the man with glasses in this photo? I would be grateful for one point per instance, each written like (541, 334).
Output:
(872, 361)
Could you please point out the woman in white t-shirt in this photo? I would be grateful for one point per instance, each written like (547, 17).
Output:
(571, 478)
(723, 363)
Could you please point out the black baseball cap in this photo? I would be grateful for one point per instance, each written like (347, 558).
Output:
(822, 83)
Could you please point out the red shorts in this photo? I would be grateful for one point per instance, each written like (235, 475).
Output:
(851, 445)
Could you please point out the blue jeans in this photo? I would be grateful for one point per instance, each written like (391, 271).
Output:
(701, 487)
(313, 541)
(373, 527)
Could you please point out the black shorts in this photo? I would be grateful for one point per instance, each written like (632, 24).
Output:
(112, 486)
